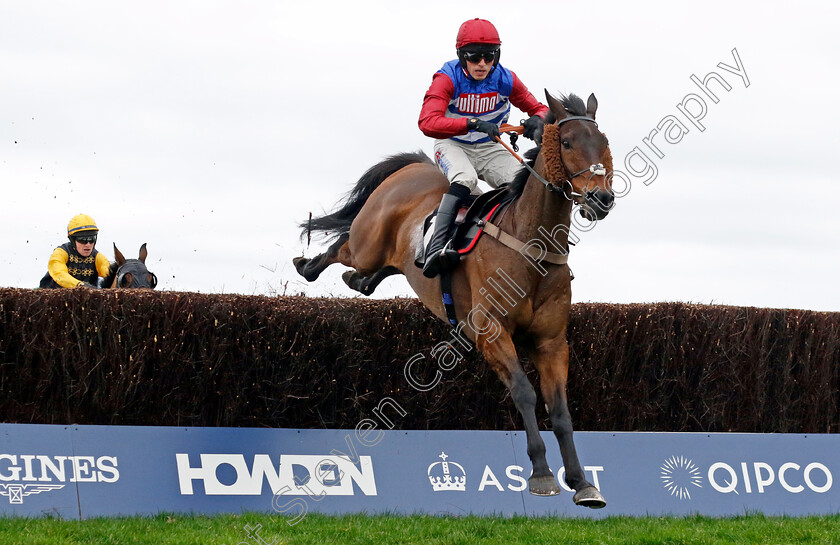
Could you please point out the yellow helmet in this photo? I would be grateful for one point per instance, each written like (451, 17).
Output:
(81, 223)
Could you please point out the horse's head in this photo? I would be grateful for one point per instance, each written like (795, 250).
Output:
(131, 273)
(577, 154)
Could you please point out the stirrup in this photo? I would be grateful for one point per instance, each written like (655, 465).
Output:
(444, 260)
(449, 257)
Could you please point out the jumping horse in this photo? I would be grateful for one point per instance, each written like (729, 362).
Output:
(377, 230)
(130, 273)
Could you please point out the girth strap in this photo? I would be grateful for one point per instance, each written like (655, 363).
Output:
(446, 294)
(514, 244)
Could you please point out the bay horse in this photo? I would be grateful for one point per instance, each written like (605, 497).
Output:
(130, 273)
(379, 228)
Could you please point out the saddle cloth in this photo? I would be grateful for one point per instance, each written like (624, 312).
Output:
(468, 230)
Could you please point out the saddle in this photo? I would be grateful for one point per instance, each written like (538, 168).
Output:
(469, 225)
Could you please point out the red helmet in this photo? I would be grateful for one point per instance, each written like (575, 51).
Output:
(477, 31)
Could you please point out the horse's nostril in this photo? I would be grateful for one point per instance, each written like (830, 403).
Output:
(600, 199)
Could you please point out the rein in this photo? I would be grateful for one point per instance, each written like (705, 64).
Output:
(552, 163)
(596, 169)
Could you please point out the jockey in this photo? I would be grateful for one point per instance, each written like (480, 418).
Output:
(77, 263)
(469, 98)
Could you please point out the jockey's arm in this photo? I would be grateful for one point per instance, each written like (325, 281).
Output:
(433, 121)
(522, 98)
(103, 266)
(58, 269)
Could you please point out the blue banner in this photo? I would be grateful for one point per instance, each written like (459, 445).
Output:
(87, 471)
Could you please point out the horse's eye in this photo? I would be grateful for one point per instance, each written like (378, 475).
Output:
(566, 143)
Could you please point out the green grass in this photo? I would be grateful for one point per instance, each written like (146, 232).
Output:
(388, 530)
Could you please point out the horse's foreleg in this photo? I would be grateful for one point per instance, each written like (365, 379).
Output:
(502, 357)
(552, 361)
(367, 284)
(311, 269)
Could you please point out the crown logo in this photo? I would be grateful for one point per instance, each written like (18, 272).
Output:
(447, 475)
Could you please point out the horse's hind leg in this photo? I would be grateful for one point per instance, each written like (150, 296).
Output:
(311, 269)
(367, 284)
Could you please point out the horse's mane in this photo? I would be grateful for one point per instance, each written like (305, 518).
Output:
(517, 186)
(574, 105)
(112, 273)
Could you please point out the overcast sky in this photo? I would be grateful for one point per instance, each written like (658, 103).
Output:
(208, 129)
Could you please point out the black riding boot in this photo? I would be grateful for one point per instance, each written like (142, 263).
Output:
(437, 258)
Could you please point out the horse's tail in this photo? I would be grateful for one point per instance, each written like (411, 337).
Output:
(337, 223)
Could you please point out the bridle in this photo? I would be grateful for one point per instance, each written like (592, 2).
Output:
(135, 267)
(566, 189)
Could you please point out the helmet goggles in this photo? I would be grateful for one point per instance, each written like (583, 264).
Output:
(475, 56)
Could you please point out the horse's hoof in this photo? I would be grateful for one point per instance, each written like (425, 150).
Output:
(590, 497)
(300, 263)
(349, 279)
(543, 486)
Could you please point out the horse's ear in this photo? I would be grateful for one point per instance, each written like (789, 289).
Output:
(555, 106)
(143, 253)
(118, 257)
(591, 105)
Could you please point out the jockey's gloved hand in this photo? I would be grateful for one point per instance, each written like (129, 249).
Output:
(533, 128)
(87, 285)
(491, 129)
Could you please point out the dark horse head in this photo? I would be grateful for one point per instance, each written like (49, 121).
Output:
(130, 273)
(584, 163)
